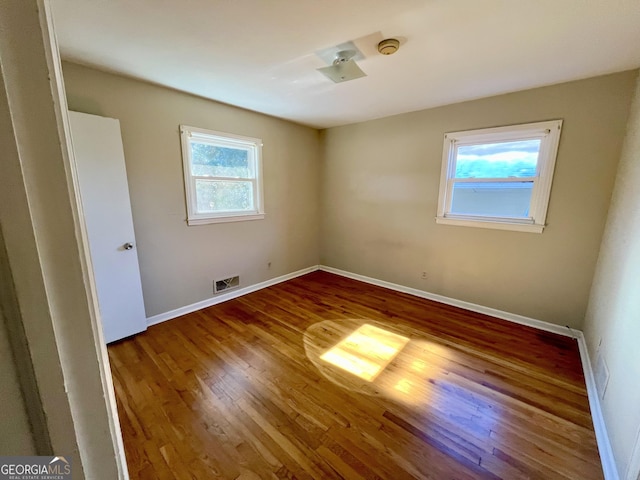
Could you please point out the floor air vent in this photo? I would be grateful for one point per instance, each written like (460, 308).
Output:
(226, 284)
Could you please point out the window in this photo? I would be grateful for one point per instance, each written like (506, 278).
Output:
(222, 175)
(499, 177)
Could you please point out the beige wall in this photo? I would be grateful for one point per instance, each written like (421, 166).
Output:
(614, 307)
(16, 437)
(377, 214)
(380, 190)
(178, 263)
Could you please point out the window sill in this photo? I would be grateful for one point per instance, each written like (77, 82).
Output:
(225, 219)
(497, 225)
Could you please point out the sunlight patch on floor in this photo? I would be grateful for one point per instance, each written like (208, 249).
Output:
(366, 352)
(373, 358)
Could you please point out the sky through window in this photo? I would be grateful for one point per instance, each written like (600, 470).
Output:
(498, 160)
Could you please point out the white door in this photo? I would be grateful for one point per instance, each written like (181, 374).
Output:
(105, 200)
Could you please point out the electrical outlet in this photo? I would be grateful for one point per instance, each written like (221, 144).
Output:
(424, 275)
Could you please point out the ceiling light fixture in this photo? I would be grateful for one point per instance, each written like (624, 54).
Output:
(388, 46)
(343, 68)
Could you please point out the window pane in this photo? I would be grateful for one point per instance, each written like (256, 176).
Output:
(220, 196)
(215, 161)
(492, 199)
(498, 160)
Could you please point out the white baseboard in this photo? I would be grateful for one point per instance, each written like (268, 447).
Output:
(602, 437)
(512, 317)
(178, 312)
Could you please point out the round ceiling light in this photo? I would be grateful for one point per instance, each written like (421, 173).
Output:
(388, 46)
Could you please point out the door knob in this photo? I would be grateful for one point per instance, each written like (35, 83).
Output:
(128, 246)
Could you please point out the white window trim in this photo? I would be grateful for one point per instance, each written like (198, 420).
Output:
(549, 134)
(238, 141)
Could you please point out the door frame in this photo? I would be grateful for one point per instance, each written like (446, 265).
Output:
(56, 315)
(61, 111)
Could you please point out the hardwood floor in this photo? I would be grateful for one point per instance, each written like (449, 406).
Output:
(325, 377)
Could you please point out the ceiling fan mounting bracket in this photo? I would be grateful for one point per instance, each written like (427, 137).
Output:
(344, 56)
(342, 63)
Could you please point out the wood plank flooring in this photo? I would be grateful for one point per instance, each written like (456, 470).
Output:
(323, 377)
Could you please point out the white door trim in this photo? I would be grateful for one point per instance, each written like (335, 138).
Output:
(62, 120)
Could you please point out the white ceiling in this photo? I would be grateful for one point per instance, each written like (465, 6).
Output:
(259, 54)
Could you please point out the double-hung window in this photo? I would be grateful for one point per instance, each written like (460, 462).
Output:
(223, 176)
(499, 177)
